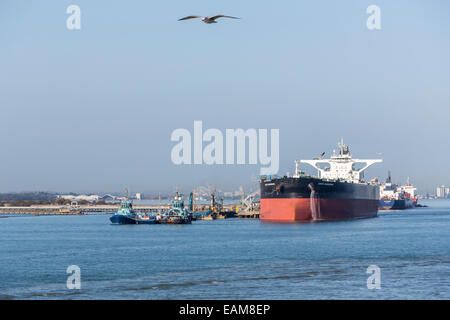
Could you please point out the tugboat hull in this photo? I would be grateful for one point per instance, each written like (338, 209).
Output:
(145, 221)
(121, 219)
(174, 220)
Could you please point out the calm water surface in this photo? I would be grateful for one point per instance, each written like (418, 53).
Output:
(228, 259)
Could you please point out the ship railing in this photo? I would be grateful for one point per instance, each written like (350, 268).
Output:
(268, 177)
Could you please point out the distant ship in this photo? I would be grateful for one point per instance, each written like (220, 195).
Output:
(338, 193)
(410, 192)
(394, 197)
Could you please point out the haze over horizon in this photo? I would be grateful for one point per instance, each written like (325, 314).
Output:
(92, 110)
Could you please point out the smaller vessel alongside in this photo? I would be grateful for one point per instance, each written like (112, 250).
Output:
(204, 215)
(178, 214)
(212, 213)
(145, 219)
(127, 215)
(394, 197)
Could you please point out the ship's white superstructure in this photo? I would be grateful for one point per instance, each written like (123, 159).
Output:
(341, 166)
(390, 191)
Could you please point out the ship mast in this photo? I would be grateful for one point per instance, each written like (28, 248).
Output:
(297, 171)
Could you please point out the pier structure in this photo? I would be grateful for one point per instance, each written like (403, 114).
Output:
(248, 214)
(88, 209)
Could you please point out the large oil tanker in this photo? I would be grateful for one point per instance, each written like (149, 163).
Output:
(338, 193)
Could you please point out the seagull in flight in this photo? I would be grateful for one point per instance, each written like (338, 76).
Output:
(208, 19)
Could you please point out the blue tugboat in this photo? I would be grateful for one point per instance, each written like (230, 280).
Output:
(127, 215)
(178, 214)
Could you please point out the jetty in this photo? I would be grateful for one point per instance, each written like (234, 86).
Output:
(249, 214)
(87, 209)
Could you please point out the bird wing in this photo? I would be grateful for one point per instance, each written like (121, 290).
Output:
(190, 17)
(222, 16)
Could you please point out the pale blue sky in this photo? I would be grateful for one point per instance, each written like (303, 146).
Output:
(92, 110)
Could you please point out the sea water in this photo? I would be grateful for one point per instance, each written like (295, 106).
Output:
(228, 259)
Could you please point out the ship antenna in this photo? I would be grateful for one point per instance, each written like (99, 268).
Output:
(343, 149)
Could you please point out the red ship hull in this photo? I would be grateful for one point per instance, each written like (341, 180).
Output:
(305, 210)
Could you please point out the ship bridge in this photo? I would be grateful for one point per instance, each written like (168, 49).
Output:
(341, 165)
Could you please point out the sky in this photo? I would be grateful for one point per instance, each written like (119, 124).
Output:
(93, 110)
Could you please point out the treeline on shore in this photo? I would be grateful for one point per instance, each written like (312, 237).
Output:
(30, 196)
(28, 199)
